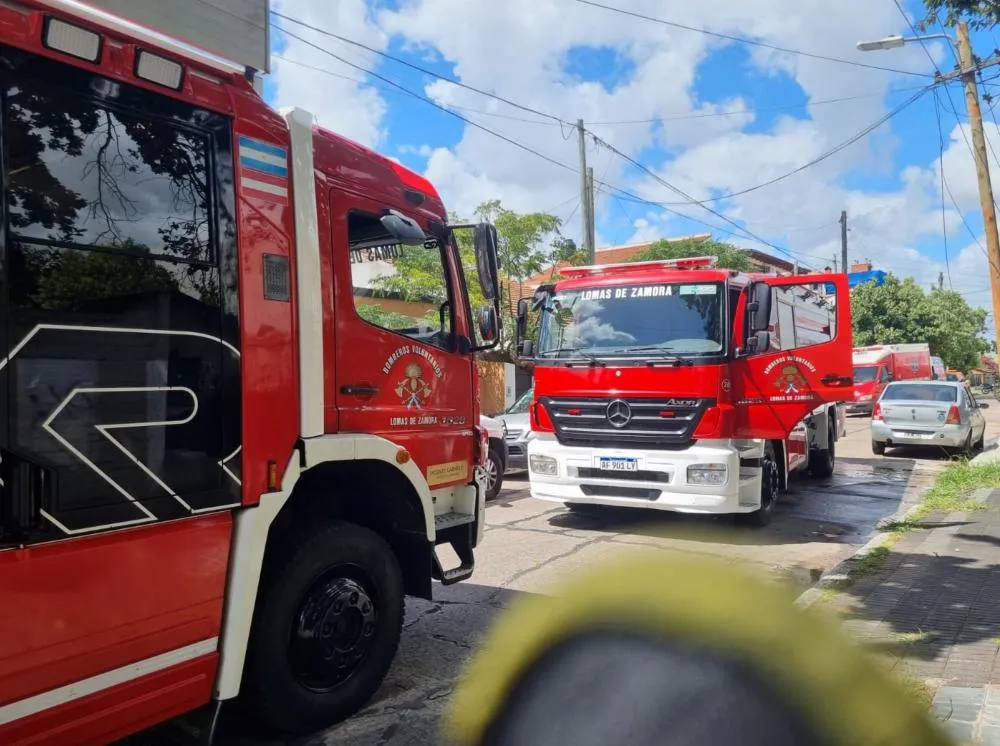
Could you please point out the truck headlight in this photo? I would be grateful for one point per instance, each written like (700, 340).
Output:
(865, 397)
(545, 465)
(707, 474)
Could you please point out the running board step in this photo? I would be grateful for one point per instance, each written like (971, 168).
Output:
(459, 531)
(449, 520)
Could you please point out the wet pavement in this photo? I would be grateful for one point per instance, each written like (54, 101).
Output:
(531, 547)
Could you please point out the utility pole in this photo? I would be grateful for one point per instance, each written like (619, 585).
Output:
(585, 203)
(967, 65)
(843, 239)
(835, 264)
(940, 280)
(591, 226)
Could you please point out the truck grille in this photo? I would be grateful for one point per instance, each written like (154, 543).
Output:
(661, 423)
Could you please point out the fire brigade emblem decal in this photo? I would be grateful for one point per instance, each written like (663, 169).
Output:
(413, 389)
(414, 384)
(790, 380)
(619, 413)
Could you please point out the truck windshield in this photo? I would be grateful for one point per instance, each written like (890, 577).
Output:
(864, 373)
(627, 320)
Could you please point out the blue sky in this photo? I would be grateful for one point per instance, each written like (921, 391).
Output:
(588, 72)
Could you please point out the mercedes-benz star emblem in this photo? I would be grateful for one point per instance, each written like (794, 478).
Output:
(619, 413)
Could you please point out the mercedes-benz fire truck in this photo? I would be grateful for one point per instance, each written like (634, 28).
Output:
(224, 463)
(681, 386)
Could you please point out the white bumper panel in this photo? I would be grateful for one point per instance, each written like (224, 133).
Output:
(660, 481)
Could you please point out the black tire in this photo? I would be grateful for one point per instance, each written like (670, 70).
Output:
(822, 462)
(967, 451)
(286, 682)
(878, 448)
(770, 487)
(980, 445)
(494, 474)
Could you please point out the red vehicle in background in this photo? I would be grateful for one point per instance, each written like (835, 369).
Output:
(224, 465)
(877, 365)
(679, 386)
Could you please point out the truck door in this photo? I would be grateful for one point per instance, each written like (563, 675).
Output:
(807, 363)
(120, 392)
(398, 372)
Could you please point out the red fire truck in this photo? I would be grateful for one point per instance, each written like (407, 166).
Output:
(224, 464)
(680, 386)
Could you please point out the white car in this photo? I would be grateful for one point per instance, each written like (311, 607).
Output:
(496, 464)
(928, 413)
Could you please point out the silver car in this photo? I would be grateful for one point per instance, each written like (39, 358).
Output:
(928, 413)
(518, 424)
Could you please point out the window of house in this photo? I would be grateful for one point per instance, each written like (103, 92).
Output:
(403, 289)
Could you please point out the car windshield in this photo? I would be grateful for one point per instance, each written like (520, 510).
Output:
(521, 405)
(920, 392)
(674, 318)
(864, 373)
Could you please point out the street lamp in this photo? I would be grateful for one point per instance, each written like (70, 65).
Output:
(896, 41)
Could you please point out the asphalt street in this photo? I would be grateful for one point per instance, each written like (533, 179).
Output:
(532, 546)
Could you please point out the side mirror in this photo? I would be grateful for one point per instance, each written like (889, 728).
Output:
(758, 342)
(489, 324)
(888, 378)
(759, 307)
(525, 349)
(403, 229)
(522, 317)
(487, 261)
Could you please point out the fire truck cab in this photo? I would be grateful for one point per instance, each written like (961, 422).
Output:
(680, 386)
(228, 451)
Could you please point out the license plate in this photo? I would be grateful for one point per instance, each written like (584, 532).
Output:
(618, 464)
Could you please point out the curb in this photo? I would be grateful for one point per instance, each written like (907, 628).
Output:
(840, 572)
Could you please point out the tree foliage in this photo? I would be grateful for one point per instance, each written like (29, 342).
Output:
(900, 312)
(729, 256)
(979, 14)
(525, 246)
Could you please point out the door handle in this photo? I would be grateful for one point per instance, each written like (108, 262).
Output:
(832, 380)
(359, 390)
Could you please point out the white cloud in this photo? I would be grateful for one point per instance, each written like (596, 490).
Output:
(518, 50)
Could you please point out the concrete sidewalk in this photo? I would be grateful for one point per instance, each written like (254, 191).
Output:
(933, 609)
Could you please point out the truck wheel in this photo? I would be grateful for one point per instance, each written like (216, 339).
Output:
(326, 629)
(822, 462)
(770, 485)
(494, 474)
(878, 448)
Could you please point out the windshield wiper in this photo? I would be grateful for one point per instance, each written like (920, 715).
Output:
(676, 359)
(588, 356)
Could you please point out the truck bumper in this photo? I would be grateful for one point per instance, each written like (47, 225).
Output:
(663, 480)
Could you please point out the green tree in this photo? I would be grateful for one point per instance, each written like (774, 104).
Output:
(523, 249)
(979, 14)
(900, 312)
(729, 256)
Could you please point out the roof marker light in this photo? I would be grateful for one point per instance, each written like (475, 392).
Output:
(158, 70)
(694, 262)
(72, 40)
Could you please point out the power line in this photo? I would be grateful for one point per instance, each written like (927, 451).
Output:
(760, 110)
(746, 40)
(526, 148)
(412, 66)
(824, 156)
(944, 220)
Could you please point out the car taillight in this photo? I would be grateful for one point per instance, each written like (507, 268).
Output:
(877, 411)
(954, 416)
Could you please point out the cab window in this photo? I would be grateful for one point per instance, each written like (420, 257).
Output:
(404, 289)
